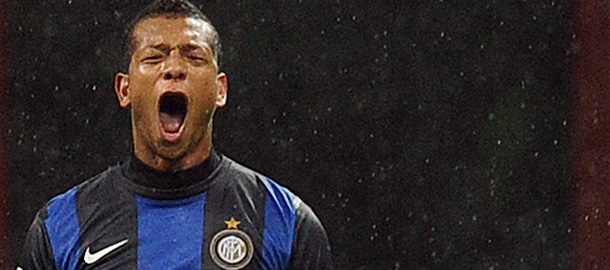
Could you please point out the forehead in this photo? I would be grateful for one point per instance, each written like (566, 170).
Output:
(173, 31)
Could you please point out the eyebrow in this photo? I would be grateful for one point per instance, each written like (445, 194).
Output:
(183, 48)
(161, 47)
(189, 48)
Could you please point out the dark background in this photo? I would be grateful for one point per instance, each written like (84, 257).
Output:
(425, 134)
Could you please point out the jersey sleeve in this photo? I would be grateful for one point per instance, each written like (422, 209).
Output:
(37, 251)
(310, 248)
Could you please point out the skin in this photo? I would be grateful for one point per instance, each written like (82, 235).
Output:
(172, 55)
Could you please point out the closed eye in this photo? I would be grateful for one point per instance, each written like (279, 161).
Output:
(197, 60)
(152, 59)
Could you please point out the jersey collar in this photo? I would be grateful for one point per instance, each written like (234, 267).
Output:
(150, 182)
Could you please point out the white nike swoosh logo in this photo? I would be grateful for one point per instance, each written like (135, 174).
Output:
(92, 258)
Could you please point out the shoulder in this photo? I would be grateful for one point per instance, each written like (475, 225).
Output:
(277, 194)
(235, 170)
(292, 228)
(54, 236)
(280, 201)
(65, 203)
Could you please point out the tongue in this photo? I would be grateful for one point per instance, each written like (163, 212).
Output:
(170, 123)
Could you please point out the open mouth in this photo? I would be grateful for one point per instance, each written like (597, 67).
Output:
(172, 111)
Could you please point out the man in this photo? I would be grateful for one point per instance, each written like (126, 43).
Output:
(177, 203)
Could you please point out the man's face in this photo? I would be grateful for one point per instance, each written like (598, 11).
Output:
(173, 87)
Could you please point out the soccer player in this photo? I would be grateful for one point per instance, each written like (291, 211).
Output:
(176, 203)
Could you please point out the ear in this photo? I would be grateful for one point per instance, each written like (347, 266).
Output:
(222, 86)
(121, 87)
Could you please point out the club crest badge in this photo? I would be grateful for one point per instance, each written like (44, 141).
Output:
(231, 248)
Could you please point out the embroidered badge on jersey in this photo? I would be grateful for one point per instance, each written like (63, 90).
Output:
(231, 248)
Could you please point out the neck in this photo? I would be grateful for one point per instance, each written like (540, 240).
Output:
(161, 161)
(164, 185)
(166, 164)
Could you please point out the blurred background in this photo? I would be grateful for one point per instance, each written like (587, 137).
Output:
(425, 134)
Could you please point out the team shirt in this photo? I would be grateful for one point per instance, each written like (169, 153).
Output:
(216, 215)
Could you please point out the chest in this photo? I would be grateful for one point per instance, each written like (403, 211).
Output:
(210, 231)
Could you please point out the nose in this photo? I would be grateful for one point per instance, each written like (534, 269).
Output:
(174, 69)
(174, 75)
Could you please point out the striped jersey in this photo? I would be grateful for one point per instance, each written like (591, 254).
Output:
(216, 215)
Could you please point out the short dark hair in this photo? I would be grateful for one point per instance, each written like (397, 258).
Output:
(170, 9)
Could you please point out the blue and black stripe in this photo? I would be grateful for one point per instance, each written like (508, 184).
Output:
(170, 233)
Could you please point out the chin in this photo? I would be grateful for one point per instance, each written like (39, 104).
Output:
(171, 151)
